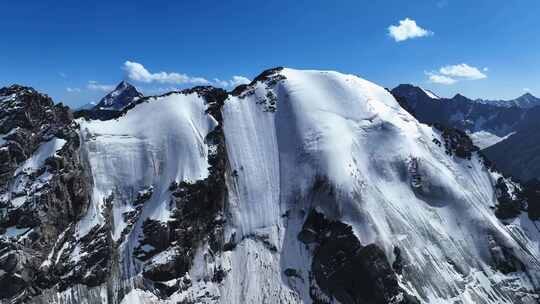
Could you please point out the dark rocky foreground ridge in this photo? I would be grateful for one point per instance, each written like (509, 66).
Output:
(48, 189)
(42, 196)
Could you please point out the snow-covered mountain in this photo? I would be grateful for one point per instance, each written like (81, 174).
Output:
(111, 105)
(123, 95)
(487, 122)
(506, 130)
(301, 187)
(525, 101)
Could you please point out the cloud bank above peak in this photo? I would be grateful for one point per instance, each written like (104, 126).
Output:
(138, 72)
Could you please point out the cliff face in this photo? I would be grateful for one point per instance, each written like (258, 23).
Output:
(44, 187)
(301, 187)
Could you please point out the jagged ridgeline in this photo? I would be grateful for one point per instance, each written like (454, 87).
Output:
(300, 187)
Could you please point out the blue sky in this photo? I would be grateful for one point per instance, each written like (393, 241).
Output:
(75, 50)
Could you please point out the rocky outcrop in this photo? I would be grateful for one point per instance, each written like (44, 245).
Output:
(44, 187)
(344, 268)
(456, 142)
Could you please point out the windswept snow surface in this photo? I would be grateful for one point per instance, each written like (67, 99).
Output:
(354, 133)
(156, 143)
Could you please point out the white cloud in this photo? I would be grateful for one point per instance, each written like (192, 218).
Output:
(137, 72)
(528, 90)
(235, 81)
(63, 75)
(96, 86)
(238, 80)
(407, 29)
(463, 71)
(441, 79)
(451, 74)
(73, 90)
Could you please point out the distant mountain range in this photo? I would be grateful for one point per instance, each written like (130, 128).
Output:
(506, 129)
(519, 154)
(527, 100)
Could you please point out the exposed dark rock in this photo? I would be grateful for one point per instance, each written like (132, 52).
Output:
(267, 75)
(219, 275)
(231, 244)
(398, 262)
(214, 97)
(531, 194)
(457, 142)
(345, 269)
(156, 239)
(503, 257)
(97, 114)
(144, 195)
(49, 198)
(509, 206)
(11, 286)
(270, 77)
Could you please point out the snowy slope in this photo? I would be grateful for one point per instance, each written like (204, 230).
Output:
(354, 133)
(155, 144)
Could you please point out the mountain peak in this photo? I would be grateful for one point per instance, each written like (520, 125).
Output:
(124, 94)
(123, 84)
(528, 96)
(15, 89)
(527, 100)
(412, 91)
(459, 96)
